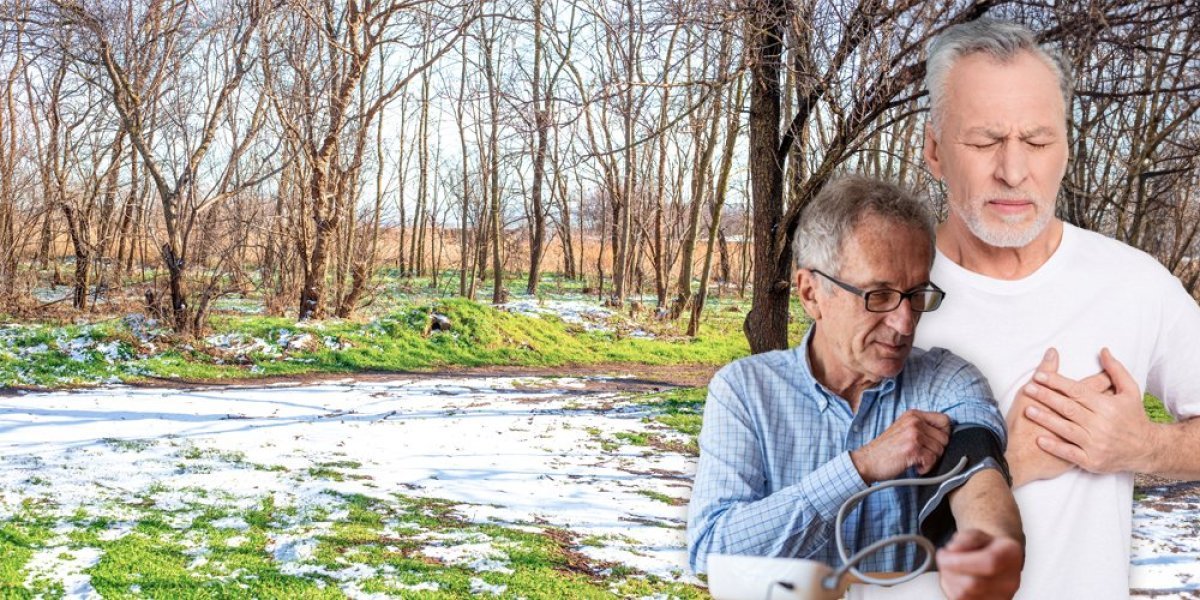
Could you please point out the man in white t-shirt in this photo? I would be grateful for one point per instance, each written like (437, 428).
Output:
(1068, 326)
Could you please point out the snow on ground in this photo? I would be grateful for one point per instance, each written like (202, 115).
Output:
(583, 312)
(511, 450)
(516, 451)
(1166, 545)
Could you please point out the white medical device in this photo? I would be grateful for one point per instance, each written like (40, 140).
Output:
(733, 577)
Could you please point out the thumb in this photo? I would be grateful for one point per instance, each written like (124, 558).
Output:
(1049, 362)
(967, 540)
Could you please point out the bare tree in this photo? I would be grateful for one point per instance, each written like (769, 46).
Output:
(135, 54)
(312, 89)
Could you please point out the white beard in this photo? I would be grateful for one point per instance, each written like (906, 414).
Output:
(1008, 235)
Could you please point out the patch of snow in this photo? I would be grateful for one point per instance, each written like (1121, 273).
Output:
(1166, 547)
(240, 345)
(424, 586)
(32, 351)
(478, 557)
(479, 586)
(585, 313)
(292, 549)
(66, 566)
(231, 523)
(54, 293)
(117, 531)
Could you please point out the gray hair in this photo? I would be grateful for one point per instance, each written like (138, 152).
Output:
(840, 206)
(1002, 40)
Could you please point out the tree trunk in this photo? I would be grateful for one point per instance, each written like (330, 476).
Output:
(624, 221)
(766, 323)
(464, 263)
(731, 134)
(541, 125)
(494, 169)
(82, 257)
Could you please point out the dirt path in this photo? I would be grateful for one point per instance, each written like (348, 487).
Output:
(625, 377)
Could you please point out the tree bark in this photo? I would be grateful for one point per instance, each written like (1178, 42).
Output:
(766, 323)
(541, 122)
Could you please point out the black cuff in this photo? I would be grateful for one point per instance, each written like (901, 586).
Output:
(983, 450)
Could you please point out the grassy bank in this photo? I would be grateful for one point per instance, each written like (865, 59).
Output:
(133, 348)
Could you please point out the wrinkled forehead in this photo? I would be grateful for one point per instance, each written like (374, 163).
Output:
(1021, 82)
(882, 252)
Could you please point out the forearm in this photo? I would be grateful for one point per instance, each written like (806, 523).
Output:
(986, 503)
(1174, 450)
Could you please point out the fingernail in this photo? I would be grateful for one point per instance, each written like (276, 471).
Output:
(1032, 411)
(1049, 354)
(1030, 388)
(1040, 376)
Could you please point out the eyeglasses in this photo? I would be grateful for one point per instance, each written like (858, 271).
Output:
(925, 298)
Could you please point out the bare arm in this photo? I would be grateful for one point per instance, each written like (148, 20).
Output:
(1176, 451)
(984, 559)
(986, 503)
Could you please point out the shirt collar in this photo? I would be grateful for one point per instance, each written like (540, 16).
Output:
(823, 394)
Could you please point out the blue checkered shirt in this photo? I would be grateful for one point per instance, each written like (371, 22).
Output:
(775, 457)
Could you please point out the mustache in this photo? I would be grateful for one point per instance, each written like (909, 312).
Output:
(1007, 196)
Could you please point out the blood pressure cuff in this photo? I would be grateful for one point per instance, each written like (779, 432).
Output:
(983, 450)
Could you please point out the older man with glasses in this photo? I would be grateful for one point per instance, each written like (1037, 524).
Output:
(788, 436)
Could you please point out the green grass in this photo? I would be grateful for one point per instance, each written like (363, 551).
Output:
(680, 410)
(63, 356)
(382, 541)
(1156, 411)
(20, 537)
(661, 497)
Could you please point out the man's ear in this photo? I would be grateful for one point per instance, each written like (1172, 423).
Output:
(932, 158)
(806, 287)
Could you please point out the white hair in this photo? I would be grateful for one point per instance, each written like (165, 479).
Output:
(1002, 40)
(840, 206)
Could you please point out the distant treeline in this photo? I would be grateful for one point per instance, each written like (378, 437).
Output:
(292, 148)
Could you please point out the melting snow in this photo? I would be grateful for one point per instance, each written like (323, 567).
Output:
(513, 450)
(479, 586)
(231, 523)
(66, 566)
(1166, 545)
(584, 313)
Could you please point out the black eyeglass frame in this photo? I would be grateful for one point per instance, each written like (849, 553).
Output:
(901, 296)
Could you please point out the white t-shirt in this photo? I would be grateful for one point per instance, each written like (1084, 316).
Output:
(1093, 292)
